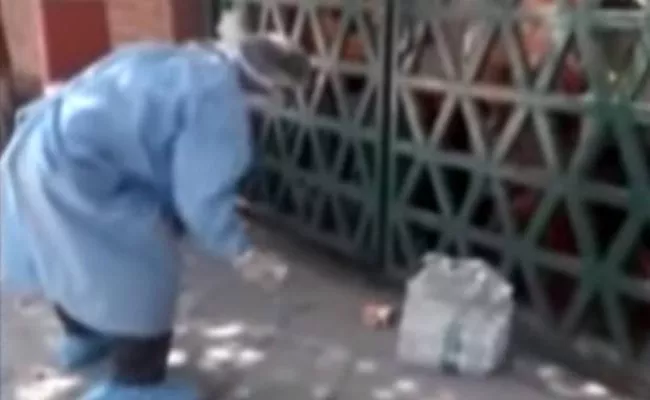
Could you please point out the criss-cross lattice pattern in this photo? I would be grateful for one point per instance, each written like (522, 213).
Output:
(320, 156)
(517, 131)
(521, 134)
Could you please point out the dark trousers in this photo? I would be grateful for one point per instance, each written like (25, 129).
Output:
(135, 361)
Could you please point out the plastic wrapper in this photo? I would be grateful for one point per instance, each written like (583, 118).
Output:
(457, 316)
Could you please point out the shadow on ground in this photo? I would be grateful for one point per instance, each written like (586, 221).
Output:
(305, 342)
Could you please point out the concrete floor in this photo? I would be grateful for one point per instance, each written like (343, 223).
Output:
(303, 343)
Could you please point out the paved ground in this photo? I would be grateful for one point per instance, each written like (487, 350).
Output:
(305, 343)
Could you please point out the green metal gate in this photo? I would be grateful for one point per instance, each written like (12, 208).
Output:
(504, 129)
(499, 150)
(320, 156)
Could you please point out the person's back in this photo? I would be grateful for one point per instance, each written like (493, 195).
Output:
(110, 155)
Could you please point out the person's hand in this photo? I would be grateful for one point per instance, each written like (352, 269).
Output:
(262, 268)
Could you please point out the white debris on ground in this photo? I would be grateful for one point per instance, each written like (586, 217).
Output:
(229, 340)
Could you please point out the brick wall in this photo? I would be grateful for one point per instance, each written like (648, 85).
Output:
(188, 19)
(69, 46)
(131, 20)
(20, 20)
(154, 19)
(32, 52)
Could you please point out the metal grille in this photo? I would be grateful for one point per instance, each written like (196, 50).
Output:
(520, 134)
(516, 131)
(320, 156)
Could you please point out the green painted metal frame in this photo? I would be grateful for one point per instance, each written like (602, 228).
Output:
(596, 284)
(419, 187)
(320, 169)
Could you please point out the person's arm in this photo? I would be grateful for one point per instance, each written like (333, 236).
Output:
(210, 157)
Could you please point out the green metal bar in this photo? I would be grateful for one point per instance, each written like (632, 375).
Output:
(385, 185)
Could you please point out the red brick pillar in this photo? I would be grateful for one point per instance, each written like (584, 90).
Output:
(74, 33)
(132, 20)
(188, 20)
(53, 39)
(22, 30)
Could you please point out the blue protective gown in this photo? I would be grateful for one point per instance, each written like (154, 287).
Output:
(93, 174)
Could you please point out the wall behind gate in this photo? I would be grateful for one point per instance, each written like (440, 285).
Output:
(19, 19)
(131, 20)
(52, 39)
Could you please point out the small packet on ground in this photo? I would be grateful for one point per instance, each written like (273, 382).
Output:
(457, 316)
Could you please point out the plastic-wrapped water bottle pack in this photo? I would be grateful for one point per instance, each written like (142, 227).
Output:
(457, 316)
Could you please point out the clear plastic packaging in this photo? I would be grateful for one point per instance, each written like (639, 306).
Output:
(457, 315)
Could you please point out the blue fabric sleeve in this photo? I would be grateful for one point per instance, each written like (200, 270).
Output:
(211, 156)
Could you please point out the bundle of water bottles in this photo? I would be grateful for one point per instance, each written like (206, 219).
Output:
(457, 316)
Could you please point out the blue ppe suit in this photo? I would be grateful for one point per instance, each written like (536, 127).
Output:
(93, 174)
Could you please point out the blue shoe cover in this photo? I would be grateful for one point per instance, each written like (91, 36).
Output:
(76, 352)
(166, 391)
